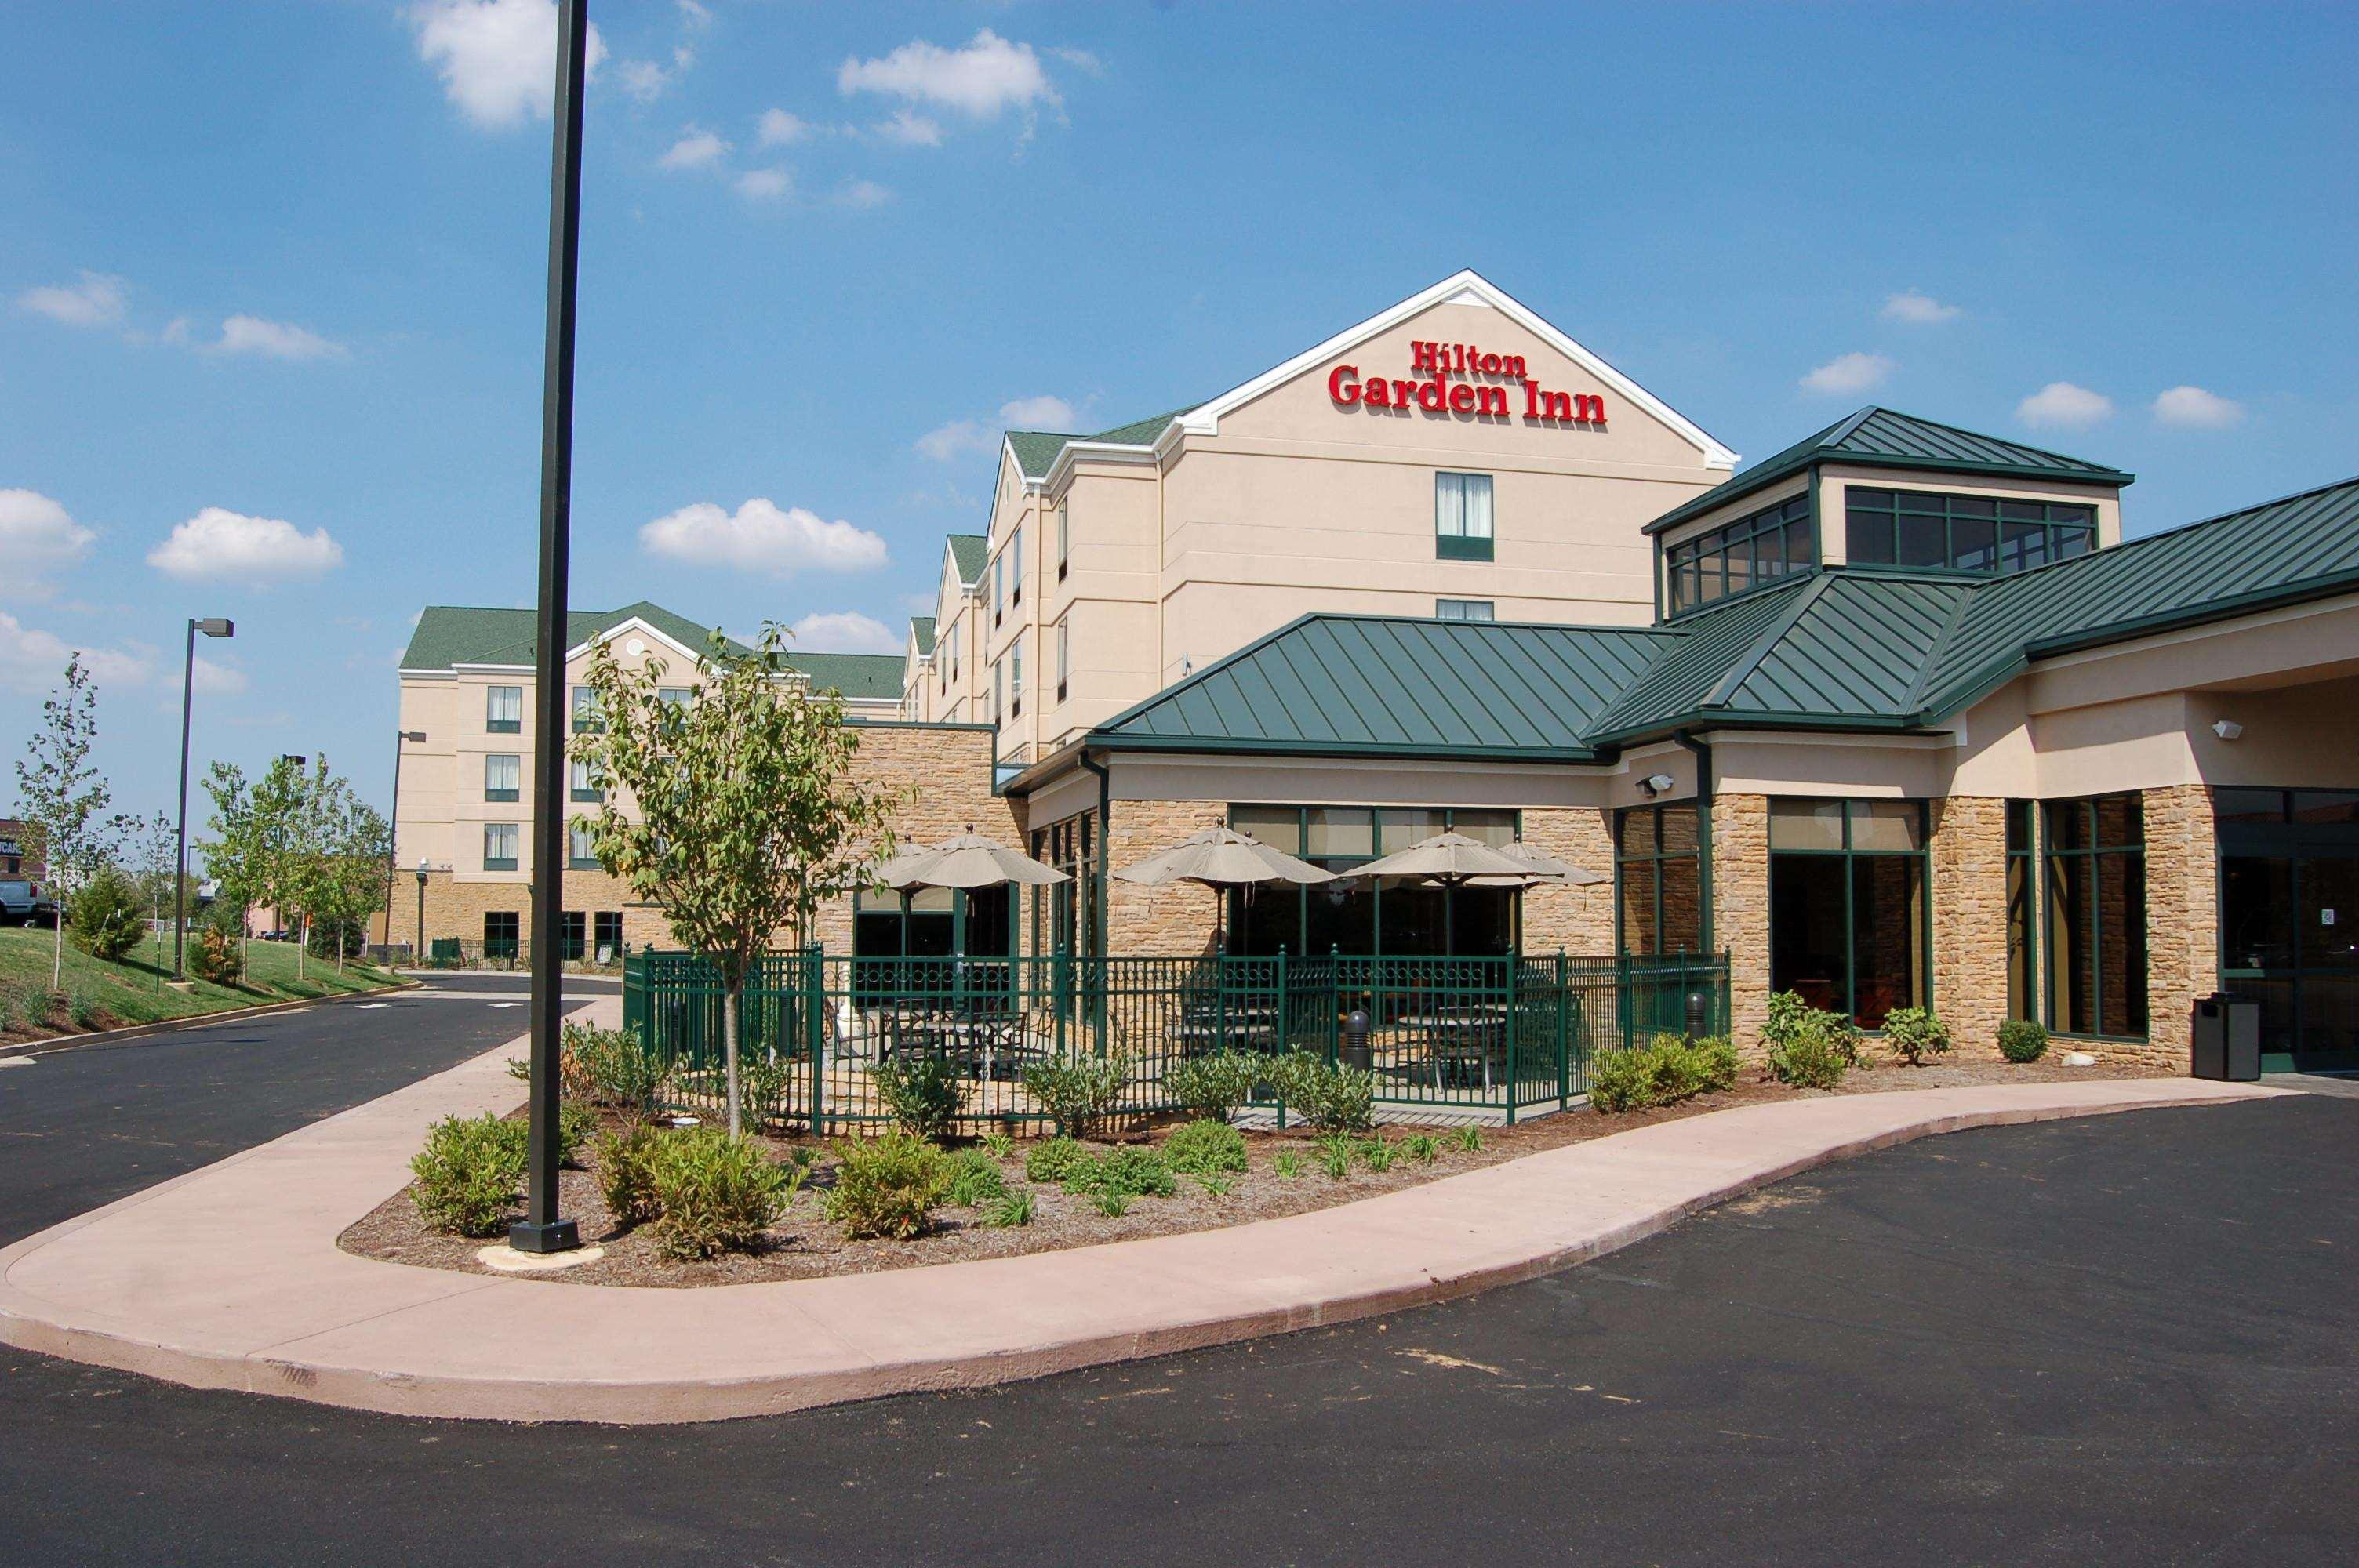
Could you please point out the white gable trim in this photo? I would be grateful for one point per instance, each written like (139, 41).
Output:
(1467, 288)
(631, 624)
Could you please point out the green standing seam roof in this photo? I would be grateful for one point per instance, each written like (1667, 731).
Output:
(1886, 438)
(969, 555)
(921, 628)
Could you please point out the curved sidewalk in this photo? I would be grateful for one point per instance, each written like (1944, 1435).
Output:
(230, 1277)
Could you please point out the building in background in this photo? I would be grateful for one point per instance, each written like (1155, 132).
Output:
(17, 858)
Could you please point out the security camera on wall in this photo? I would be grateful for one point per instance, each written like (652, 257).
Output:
(2227, 729)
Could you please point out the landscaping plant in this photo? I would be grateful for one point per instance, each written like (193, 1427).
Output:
(1052, 1160)
(715, 1194)
(1327, 1095)
(108, 916)
(1285, 1167)
(1469, 1139)
(1218, 1185)
(1667, 1069)
(82, 1006)
(761, 1082)
(998, 1144)
(1806, 1047)
(61, 795)
(974, 1179)
(1423, 1147)
(215, 956)
(1012, 1210)
(886, 1187)
(1335, 1156)
(576, 1125)
(1131, 1171)
(1216, 1085)
(625, 1163)
(468, 1173)
(1914, 1034)
(605, 1067)
(1111, 1203)
(2022, 1039)
(1377, 1155)
(923, 1092)
(1200, 1148)
(1078, 1092)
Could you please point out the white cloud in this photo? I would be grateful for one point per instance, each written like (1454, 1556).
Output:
(644, 79)
(217, 679)
(694, 15)
(1847, 374)
(219, 544)
(2192, 408)
(695, 149)
(497, 57)
(764, 184)
(36, 534)
(986, 76)
(759, 536)
(274, 340)
(911, 129)
(944, 442)
(96, 301)
(843, 631)
(1042, 413)
(1081, 58)
(1920, 309)
(2063, 404)
(33, 661)
(778, 128)
(863, 193)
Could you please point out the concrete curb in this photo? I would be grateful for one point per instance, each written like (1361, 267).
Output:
(230, 1277)
(194, 1021)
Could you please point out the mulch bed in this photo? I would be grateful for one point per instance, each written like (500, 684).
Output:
(804, 1245)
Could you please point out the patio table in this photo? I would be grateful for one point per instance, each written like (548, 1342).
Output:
(1463, 1038)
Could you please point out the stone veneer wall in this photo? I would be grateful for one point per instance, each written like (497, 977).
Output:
(1158, 922)
(948, 771)
(1969, 898)
(455, 908)
(1579, 920)
(1740, 910)
(2182, 923)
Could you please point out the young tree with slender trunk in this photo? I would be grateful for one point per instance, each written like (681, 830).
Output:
(235, 853)
(735, 811)
(63, 795)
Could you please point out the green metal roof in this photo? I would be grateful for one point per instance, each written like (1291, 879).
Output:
(1882, 437)
(449, 635)
(1849, 649)
(921, 627)
(970, 553)
(854, 675)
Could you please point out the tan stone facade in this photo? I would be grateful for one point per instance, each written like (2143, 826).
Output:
(944, 773)
(1740, 909)
(1158, 921)
(2183, 921)
(455, 907)
(1580, 920)
(1968, 858)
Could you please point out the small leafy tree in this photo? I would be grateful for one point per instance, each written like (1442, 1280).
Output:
(62, 792)
(234, 854)
(108, 916)
(743, 815)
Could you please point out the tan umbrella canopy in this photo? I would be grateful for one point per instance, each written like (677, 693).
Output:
(1447, 858)
(1222, 857)
(1542, 869)
(965, 862)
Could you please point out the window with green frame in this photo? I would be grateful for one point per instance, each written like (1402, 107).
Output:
(1849, 922)
(1065, 917)
(2093, 915)
(2022, 917)
(1658, 880)
(1462, 516)
(1359, 915)
(1756, 549)
(1963, 533)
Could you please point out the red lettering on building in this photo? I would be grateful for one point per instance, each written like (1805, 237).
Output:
(1436, 363)
(1340, 390)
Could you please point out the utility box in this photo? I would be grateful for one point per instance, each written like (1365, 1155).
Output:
(2227, 1038)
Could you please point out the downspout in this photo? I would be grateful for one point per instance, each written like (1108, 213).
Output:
(1701, 751)
(1097, 977)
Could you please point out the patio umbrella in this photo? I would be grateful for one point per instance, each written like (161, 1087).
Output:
(968, 861)
(1448, 858)
(1218, 857)
(1541, 869)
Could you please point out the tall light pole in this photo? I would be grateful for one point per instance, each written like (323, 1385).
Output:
(418, 954)
(541, 1229)
(393, 828)
(212, 626)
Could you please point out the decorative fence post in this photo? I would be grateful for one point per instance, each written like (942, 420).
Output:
(1563, 1035)
(813, 987)
(1512, 1031)
(1062, 984)
(1332, 1044)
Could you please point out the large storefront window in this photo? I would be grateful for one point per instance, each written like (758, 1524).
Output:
(2094, 915)
(1359, 915)
(1658, 880)
(2289, 919)
(1065, 916)
(1745, 554)
(2022, 926)
(1965, 533)
(1847, 911)
(935, 923)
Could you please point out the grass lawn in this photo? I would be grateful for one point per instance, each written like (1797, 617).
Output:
(107, 995)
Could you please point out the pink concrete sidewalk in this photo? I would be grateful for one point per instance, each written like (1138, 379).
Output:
(230, 1277)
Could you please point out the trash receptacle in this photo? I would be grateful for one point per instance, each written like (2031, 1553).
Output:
(2227, 1038)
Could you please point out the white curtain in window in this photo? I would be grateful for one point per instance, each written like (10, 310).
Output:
(1461, 505)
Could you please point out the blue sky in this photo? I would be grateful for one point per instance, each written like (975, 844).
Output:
(270, 279)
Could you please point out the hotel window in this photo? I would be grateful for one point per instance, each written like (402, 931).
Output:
(998, 692)
(1963, 533)
(1462, 516)
(1064, 655)
(1847, 911)
(1658, 880)
(574, 938)
(501, 777)
(1016, 676)
(585, 785)
(673, 696)
(2095, 913)
(1355, 915)
(2022, 921)
(585, 711)
(606, 931)
(500, 845)
(1463, 609)
(580, 855)
(1064, 537)
(504, 709)
(1015, 565)
(1761, 549)
(998, 587)
(501, 930)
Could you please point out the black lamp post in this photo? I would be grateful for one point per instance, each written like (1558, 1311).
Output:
(393, 832)
(212, 626)
(418, 956)
(541, 1229)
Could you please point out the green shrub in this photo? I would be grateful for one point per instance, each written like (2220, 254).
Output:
(1218, 1185)
(520, 1069)
(1112, 1204)
(999, 1144)
(1423, 1147)
(1335, 1155)
(576, 1125)
(1378, 1155)
(1078, 1092)
(886, 1187)
(1131, 1170)
(1287, 1166)
(215, 957)
(974, 1179)
(1328, 1096)
(1213, 1086)
(82, 1006)
(1200, 1148)
(1806, 1047)
(922, 1091)
(1913, 1033)
(625, 1163)
(2022, 1039)
(106, 917)
(1667, 1069)
(715, 1194)
(762, 1089)
(468, 1173)
(1052, 1160)
(1012, 1210)
(606, 1066)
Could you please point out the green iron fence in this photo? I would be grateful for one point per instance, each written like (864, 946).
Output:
(1446, 1036)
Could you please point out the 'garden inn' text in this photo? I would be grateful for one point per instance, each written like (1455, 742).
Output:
(1894, 717)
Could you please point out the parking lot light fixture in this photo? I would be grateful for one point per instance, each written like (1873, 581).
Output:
(212, 626)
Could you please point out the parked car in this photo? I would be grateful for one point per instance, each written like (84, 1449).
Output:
(274, 936)
(22, 902)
